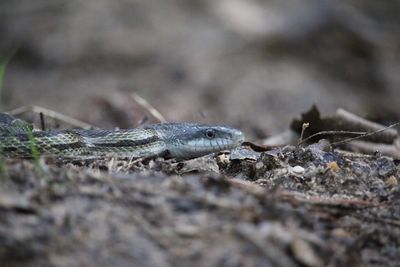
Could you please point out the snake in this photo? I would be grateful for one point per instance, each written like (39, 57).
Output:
(181, 140)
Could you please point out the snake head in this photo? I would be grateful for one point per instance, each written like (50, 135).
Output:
(189, 140)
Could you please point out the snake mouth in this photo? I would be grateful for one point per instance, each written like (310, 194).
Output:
(202, 147)
(237, 137)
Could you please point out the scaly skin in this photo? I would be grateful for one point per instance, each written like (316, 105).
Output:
(178, 140)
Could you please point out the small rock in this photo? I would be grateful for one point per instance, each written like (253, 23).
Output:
(298, 169)
(333, 166)
(259, 165)
(392, 181)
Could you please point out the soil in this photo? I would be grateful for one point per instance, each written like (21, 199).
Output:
(293, 206)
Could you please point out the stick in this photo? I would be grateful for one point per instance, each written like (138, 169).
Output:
(350, 121)
(146, 105)
(52, 114)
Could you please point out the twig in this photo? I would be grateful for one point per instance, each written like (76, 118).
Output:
(42, 124)
(331, 133)
(146, 105)
(303, 129)
(360, 135)
(143, 120)
(369, 147)
(248, 186)
(351, 122)
(52, 114)
(342, 203)
(367, 134)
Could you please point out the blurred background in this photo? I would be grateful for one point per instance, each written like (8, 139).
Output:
(254, 64)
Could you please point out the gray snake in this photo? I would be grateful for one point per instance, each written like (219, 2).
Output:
(178, 140)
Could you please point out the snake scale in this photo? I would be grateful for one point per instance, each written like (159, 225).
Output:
(178, 140)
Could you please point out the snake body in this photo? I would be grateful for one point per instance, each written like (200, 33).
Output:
(178, 140)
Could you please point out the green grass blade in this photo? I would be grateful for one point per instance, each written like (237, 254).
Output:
(3, 67)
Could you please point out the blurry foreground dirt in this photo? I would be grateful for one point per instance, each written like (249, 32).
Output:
(287, 207)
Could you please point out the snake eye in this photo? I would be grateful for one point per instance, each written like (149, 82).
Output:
(210, 133)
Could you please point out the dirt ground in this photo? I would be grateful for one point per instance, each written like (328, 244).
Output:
(290, 207)
(252, 64)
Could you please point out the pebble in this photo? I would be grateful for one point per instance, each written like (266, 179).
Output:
(298, 169)
(259, 165)
(333, 166)
(392, 181)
